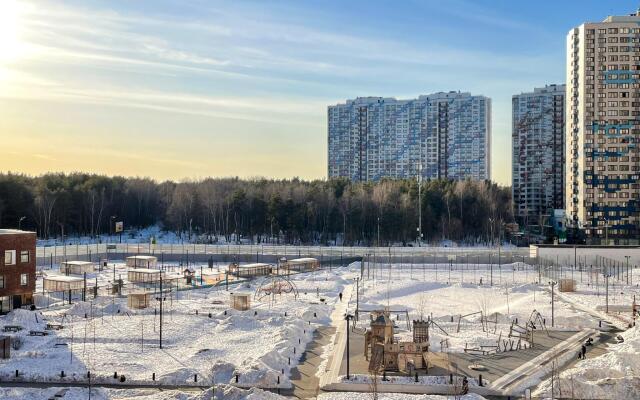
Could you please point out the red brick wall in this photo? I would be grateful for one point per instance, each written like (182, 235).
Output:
(18, 242)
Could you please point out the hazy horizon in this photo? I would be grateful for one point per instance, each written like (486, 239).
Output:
(170, 90)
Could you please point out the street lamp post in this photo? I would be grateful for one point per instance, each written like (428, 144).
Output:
(111, 226)
(20, 222)
(627, 257)
(347, 318)
(552, 283)
(64, 246)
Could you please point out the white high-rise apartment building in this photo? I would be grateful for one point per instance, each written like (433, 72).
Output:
(442, 135)
(603, 126)
(538, 154)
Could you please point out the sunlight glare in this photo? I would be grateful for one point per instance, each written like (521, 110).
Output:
(11, 48)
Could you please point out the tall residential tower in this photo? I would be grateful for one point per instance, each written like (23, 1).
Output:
(603, 124)
(538, 154)
(442, 135)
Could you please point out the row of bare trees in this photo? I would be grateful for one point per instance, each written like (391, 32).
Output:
(258, 210)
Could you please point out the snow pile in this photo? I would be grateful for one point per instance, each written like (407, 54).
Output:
(100, 306)
(28, 320)
(613, 375)
(290, 344)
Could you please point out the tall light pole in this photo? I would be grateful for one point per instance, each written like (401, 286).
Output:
(347, 318)
(552, 283)
(111, 226)
(419, 204)
(64, 246)
(627, 257)
(20, 222)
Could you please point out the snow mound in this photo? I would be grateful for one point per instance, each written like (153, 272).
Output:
(613, 375)
(28, 320)
(228, 392)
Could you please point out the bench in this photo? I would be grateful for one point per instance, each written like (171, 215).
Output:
(12, 328)
(38, 333)
(54, 327)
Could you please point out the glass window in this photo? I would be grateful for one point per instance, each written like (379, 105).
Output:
(1, 281)
(24, 256)
(9, 257)
(24, 279)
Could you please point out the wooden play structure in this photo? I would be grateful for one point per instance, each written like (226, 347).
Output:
(567, 285)
(386, 354)
(240, 301)
(142, 261)
(76, 267)
(249, 270)
(139, 300)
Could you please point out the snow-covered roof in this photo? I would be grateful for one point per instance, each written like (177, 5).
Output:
(253, 265)
(63, 278)
(77, 263)
(145, 270)
(13, 231)
(303, 260)
(142, 258)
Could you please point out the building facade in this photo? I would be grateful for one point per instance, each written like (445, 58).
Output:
(603, 124)
(442, 135)
(17, 268)
(537, 175)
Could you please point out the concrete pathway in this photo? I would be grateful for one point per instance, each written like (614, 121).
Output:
(303, 377)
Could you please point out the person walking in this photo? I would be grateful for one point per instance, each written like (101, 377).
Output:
(584, 352)
(340, 296)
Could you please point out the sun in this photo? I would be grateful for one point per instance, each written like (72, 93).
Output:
(11, 47)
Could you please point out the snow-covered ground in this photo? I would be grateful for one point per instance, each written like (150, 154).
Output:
(260, 345)
(444, 296)
(613, 375)
(202, 335)
(221, 392)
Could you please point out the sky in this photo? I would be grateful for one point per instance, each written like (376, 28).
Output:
(170, 89)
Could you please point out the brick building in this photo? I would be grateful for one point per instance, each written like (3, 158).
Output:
(17, 268)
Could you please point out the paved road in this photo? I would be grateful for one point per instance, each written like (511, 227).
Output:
(303, 377)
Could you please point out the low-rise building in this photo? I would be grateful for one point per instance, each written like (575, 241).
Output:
(17, 268)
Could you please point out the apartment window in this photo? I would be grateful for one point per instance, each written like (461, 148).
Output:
(24, 256)
(9, 257)
(24, 279)
(1, 281)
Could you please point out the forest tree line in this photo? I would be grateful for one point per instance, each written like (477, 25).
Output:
(259, 210)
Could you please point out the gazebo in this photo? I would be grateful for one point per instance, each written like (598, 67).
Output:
(62, 283)
(76, 267)
(304, 264)
(144, 275)
(250, 270)
(142, 261)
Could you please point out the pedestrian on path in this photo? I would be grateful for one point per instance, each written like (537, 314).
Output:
(340, 296)
(579, 354)
(584, 352)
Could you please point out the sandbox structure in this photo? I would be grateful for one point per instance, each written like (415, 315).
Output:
(139, 300)
(240, 301)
